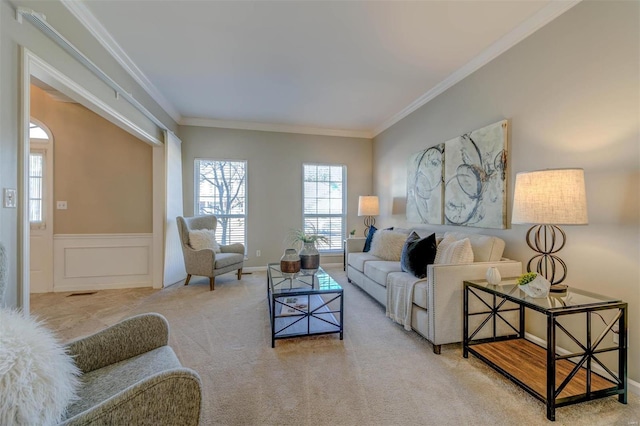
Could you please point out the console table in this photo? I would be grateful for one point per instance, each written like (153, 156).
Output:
(494, 332)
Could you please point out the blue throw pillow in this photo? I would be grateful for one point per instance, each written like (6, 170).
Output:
(367, 243)
(417, 253)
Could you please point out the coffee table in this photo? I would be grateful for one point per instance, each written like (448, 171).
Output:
(303, 305)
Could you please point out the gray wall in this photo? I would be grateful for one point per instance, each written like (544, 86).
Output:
(274, 177)
(571, 91)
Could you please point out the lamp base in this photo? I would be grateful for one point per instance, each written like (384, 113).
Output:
(558, 288)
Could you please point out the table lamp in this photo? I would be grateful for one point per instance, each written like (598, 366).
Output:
(546, 199)
(368, 206)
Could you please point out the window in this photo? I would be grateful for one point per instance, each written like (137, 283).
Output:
(324, 203)
(36, 188)
(220, 189)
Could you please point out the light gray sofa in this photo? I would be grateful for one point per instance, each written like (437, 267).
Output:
(435, 311)
(131, 377)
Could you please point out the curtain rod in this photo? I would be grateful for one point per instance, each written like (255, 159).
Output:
(40, 21)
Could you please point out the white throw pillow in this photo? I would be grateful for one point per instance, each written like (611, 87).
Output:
(204, 239)
(38, 380)
(452, 251)
(387, 245)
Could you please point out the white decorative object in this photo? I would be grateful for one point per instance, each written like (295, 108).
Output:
(537, 288)
(38, 379)
(493, 276)
(453, 251)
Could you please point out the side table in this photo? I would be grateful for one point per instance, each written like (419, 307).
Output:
(554, 376)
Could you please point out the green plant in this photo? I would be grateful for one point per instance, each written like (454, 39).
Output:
(527, 278)
(298, 236)
(353, 232)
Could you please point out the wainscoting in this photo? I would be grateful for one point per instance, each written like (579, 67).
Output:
(102, 261)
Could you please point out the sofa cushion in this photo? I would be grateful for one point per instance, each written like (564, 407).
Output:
(227, 259)
(451, 251)
(417, 253)
(388, 245)
(378, 270)
(357, 260)
(367, 242)
(486, 248)
(420, 295)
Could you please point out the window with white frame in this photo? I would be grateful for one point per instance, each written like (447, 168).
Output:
(324, 206)
(220, 189)
(36, 187)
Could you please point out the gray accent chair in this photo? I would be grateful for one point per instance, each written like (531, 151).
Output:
(131, 377)
(206, 262)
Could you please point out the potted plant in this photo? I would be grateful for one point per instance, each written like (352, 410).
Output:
(352, 233)
(534, 285)
(309, 255)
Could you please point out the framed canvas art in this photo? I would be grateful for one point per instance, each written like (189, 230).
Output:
(424, 186)
(475, 178)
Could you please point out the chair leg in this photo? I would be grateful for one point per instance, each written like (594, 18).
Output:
(187, 280)
(240, 273)
(212, 282)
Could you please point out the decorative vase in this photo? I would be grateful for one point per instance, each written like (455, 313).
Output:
(493, 276)
(537, 288)
(290, 262)
(309, 259)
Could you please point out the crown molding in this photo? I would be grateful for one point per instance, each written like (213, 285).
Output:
(545, 15)
(270, 127)
(89, 21)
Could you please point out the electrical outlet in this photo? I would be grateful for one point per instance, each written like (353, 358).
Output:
(10, 198)
(258, 253)
(616, 335)
(61, 205)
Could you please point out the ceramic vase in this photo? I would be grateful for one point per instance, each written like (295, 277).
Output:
(537, 288)
(309, 259)
(493, 276)
(290, 262)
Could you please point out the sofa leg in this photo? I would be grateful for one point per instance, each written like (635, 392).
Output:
(187, 280)
(212, 282)
(240, 273)
(436, 349)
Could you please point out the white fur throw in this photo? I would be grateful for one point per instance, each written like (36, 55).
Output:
(38, 379)
(453, 251)
(388, 244)
(203, 239)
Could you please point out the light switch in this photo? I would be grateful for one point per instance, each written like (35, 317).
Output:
(10, 196)
(61, 205)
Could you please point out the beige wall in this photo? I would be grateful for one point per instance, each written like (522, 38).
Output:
(103, 172)
(274, 178)
(571, 91)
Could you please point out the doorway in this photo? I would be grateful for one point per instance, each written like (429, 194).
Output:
(40, 207)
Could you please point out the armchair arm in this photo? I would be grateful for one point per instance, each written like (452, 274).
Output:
(445, 295)
(171, 397)
(128, 338)
(355, 245)
(199, 262)
(233, 248)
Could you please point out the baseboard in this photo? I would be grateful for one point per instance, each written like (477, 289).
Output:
(632, 386)
(102, 261)
(264, 268)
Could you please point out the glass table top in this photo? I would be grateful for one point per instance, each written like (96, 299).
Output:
(287, 283)
(572, 298)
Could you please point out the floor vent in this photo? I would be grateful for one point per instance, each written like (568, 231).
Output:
(85, 293)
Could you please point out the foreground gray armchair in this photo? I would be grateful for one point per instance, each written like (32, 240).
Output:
(131, 377)
(206, 262)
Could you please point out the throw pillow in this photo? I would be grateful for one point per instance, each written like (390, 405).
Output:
(452, 251)
(203, 239)
(38, 379)
(417, 253)
(387, 245)
(367, 243)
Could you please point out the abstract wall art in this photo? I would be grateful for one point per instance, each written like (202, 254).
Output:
(425, 186)
(462, 181)
(475, 178)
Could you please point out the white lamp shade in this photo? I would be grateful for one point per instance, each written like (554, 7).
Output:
(551, 197)
(368, 205)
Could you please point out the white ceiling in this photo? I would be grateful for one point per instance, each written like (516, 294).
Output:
(334, 67)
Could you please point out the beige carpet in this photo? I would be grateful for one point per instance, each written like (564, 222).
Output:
(379, 374)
